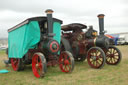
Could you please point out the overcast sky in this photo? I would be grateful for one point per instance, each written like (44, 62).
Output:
(13, 12)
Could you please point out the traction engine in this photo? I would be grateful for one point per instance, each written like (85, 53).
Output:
(96, 48)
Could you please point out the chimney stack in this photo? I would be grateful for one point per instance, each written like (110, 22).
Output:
(101, 23)
(50, 22)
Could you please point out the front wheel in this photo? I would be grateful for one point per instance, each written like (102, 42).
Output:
(39, 65)
(113, 56)
(96, 57)
(66, 62)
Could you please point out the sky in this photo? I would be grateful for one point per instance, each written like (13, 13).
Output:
(13, 12)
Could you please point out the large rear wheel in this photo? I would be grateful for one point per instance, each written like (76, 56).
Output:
(39, 65)
(96, 57)
(113, 56)
(66, 62)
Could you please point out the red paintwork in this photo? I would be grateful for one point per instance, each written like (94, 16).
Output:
(109, 36)
(82, 43)
(15, 63)
(64, 62)
(52, 60)
(51, 48)
(37, 66)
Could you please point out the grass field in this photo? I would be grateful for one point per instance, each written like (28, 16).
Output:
(82, 74)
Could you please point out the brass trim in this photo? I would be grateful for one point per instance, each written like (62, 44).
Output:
(94, 41)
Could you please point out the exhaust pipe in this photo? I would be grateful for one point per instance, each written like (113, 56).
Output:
(50, 22)
(101, 24)
(102, 41)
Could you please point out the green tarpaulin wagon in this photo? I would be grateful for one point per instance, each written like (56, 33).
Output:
(36, 41)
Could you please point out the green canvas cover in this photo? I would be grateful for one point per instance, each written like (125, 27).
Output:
(23, 38)
(57, 31)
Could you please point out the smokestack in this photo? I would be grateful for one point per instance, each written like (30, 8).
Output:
(50, 22)
(101, 23)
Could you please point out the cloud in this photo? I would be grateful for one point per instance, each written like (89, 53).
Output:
(13, 12)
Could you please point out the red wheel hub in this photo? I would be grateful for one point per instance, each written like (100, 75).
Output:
(111, 55)
(66, 62)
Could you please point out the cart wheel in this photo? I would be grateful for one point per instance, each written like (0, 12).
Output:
(113, 56)
(17, 64)
(96, 57)
(80, 58)
(66, 62)
(39, 65)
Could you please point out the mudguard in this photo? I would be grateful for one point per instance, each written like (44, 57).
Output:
(66, 44)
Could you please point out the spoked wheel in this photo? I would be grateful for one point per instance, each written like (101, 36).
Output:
(39, 65)
(66, 62)
(96, 57)
(17, 64)
(113, 56)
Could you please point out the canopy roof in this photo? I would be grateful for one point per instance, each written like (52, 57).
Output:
(73, 26)
(32, 19)
(109, 36)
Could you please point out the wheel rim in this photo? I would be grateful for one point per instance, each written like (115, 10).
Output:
(113, 56)
(37, 66)
(15, 63)
(95, 58)
(65, 62)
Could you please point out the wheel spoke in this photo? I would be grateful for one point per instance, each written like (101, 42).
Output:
(100, 60)
(97, 63)
(69, 67)
(65, 68)
(92, 62)
(109, 52)
(115, 52)
(61, 62)
(40, 65)
(112, 60)
(116, 55)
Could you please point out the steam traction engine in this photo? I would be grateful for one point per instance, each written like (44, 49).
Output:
(95, 48)
(36, 41)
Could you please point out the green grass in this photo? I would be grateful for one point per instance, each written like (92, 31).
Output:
(2, 51)
(82, 74)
